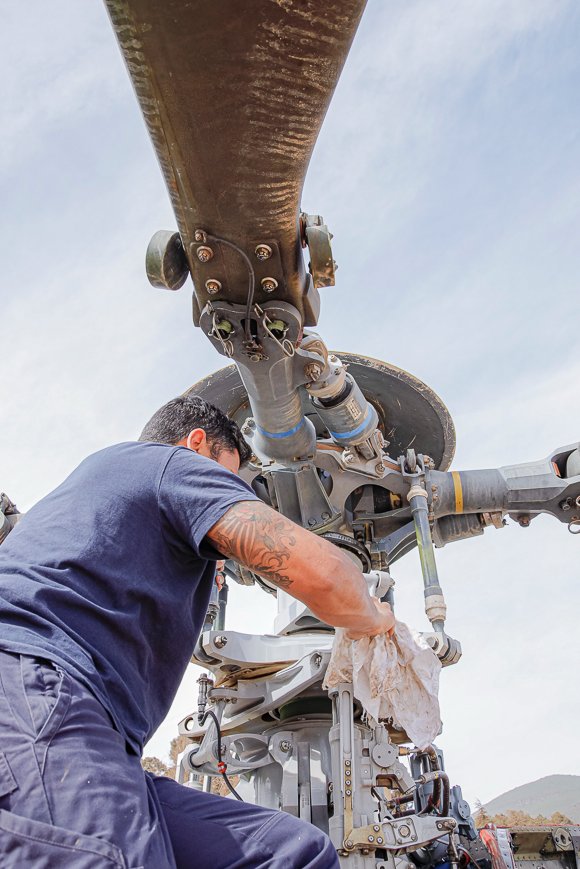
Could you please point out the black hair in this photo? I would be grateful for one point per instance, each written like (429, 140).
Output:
(178, 417)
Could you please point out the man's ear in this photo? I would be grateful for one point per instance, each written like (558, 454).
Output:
(196, 440)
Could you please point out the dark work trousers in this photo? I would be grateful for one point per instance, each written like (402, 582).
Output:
(72, 796)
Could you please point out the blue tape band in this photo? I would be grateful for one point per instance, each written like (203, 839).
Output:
(353, 433)
(281, 434)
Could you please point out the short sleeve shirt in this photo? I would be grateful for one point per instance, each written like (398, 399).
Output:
(110, 575)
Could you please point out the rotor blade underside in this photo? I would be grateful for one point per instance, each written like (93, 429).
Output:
(234, 93)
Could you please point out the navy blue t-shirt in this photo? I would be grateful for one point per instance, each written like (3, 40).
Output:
(110, 575)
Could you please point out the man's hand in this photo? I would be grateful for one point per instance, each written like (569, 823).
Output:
(385, 623)
(302, 564)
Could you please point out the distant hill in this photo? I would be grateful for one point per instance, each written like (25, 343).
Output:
(554, 793)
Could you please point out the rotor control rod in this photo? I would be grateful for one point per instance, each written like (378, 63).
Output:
(435, 606)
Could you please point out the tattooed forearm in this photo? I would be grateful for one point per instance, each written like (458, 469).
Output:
(257, 537)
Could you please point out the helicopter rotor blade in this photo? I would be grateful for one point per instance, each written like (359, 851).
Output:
(234, 94)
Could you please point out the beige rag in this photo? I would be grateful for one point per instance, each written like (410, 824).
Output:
(395, 678)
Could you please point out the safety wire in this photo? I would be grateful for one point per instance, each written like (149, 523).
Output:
(222, 766)
(250, 341)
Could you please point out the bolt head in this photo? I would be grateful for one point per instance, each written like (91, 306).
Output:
(348, 458)
(263, 252)
(285, 745)
(204, 253)
(348, 793)
(349, 843)
(379, 840)
(213, 286)
(376, 828)
(347, 763)
(199, 235)
(379, 468)
(404, 830)
(371, 838)
(269, 284)
(220, 642)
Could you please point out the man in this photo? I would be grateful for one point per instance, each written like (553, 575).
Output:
(104, 586)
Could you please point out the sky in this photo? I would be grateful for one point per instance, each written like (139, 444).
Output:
(448, 169)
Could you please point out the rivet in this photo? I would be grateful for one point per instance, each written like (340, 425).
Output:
(371, 838)
(379, 840)
(376, 828)
(348, 793)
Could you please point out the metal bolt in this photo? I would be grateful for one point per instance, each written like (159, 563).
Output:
(204, 253)
(349, 843)
(379, 468)
(524, 521)
(404, 830)
(263, 252)
(213, 286)
(312, 370)
(347, 783)
(348, 458)
(199, 235)
(371, 838)
(316, 660)
(347, 763)
(220, 642)
(348, 793)
(312, 522)
(285, 745)
(376, 828)
(379, 840)
(269, 284)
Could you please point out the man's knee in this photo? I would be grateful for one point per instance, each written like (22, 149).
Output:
(302, 845)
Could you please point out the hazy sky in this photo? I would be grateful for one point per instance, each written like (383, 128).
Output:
(448, 170)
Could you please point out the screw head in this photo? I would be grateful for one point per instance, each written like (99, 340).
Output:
(379, 468)
(269, 284)
(349, 843)
(213, 286)
(348, 793)
(371, 838)
(348, 458)
(347, 763)
(220, 642)
(379, 840)
(199, 235)
(204, 253)
(376, 828)
(404, 830)
(285, 745)
(263, 252)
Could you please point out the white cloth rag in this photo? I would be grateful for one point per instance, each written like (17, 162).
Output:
(395, 678)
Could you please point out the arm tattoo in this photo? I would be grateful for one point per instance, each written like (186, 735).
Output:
(259, 538)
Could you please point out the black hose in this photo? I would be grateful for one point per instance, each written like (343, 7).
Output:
(222, 767)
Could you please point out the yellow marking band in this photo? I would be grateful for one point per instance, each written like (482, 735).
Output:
(458, 491)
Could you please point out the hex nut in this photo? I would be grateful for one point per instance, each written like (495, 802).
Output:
(263, 252)
(204, 253)
(220, 642)
(269, 284)
(213, 286)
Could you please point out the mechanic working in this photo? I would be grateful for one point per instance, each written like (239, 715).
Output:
(104, 586)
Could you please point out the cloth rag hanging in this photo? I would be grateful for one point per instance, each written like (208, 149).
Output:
(395, 678)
